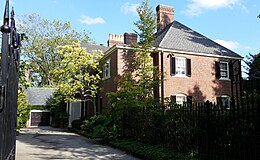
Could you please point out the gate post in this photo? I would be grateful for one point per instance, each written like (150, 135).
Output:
(9, 68)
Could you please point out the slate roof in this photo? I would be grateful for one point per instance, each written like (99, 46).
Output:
(39, 96)
(94, 47)
(177, 36)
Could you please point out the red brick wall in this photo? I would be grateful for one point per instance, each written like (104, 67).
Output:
(109, 85)
(120, 63)
(202, 84)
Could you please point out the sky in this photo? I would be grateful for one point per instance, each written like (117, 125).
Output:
(232, 23)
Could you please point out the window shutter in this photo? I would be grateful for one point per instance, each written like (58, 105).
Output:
(173, 66)
(173, 99)
(189, 100)
(188, 67)
(217, 67)
(230, 67)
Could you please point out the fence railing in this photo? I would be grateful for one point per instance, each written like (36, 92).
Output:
(206, 131)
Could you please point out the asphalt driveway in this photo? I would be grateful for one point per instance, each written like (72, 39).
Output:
(51, 143)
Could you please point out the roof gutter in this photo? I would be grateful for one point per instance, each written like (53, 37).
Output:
(158, 49)
(195, 53)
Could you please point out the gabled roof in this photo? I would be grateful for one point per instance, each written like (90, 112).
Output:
(177, 36)
(94, 47)
(39, 96)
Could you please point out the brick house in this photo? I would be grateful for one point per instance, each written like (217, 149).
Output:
(196, 68)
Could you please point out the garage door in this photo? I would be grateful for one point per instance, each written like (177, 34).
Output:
(40, 118)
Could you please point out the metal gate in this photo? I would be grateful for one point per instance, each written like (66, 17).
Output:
(8, 85)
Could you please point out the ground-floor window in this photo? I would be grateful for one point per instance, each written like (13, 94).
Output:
(179, 99)
(224, 101)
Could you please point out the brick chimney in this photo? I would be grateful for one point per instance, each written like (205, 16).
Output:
(130, 38)
(165, 16)
(114, 39)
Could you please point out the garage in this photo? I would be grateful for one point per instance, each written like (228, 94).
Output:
(40, 118)
(39, 98)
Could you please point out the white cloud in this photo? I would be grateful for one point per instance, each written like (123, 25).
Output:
(129, 8)
(90, 21)
(196, 7)
(228, 44)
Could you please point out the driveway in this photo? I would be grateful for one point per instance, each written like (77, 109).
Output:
(50, 143)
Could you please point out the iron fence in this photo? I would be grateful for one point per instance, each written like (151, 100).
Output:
(205, 131)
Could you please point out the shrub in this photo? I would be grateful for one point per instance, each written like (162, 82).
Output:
(57, 106)
(76, 124)
(147, 151)
(99, 127)
(23, 110)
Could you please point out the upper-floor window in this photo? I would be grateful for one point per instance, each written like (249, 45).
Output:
(106, 69)
(180, 66)
(222, 70)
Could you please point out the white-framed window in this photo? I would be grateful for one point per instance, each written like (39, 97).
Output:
(224, 70)
(180, 66)
(106, 69)
(224, 101)
(181, 99)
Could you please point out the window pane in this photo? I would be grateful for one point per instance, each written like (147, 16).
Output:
(223, 70)
(225, 102)
(180, 66)
(223, 74)
(106, 69)
(223, 66)
(180, 99)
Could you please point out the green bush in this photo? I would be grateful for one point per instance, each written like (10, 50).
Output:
(76, 124)
(147, 151)
(57, 106)
(23, 110)
(99, 127)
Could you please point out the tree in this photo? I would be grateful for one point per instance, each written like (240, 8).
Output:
(23, 108)
(78, 72)
(253, 66)
(136, 88)
(146, 25)
(42, 37)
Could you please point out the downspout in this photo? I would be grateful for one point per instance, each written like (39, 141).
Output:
(162, 79)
